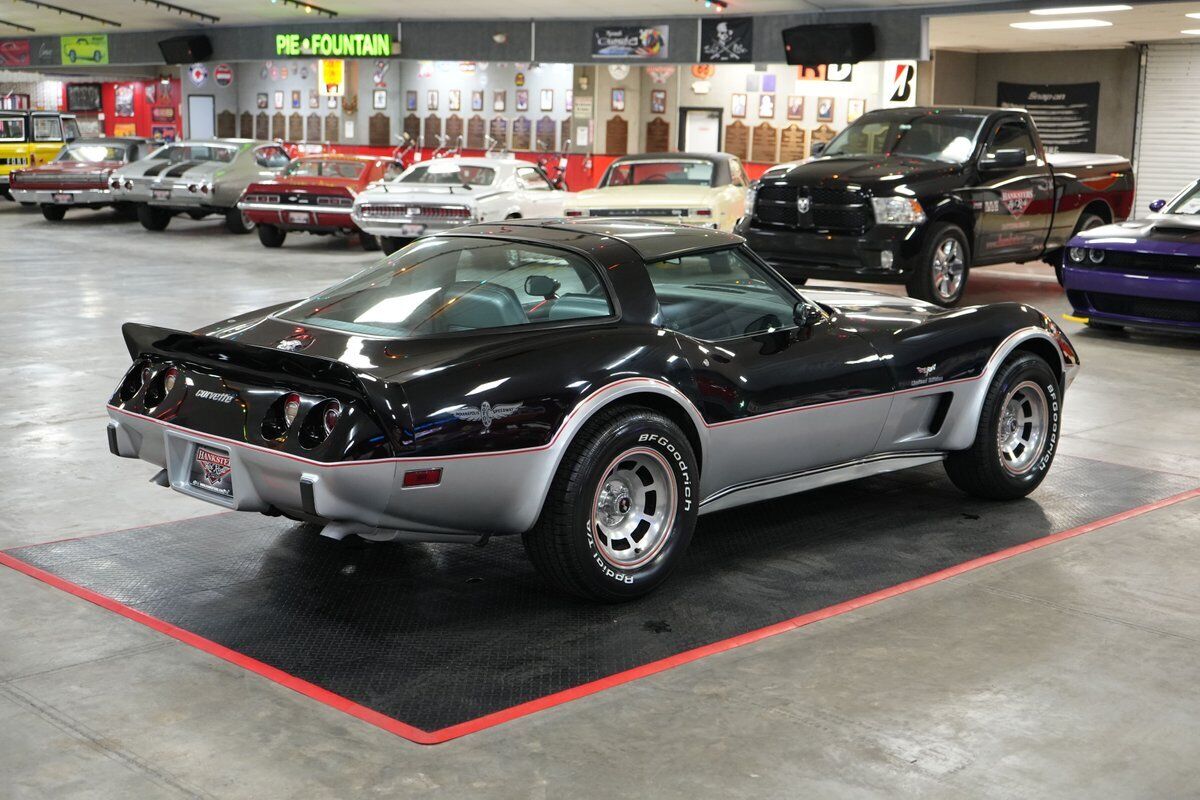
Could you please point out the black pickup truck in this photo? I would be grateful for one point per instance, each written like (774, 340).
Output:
(921, 195)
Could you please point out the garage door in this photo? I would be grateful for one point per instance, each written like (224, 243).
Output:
(1168, 139)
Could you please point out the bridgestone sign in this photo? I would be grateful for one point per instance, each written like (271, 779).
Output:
(341, 45)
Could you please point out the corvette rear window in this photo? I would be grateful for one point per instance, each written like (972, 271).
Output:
(449, 285)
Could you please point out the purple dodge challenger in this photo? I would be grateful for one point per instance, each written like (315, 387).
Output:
(1142, 273)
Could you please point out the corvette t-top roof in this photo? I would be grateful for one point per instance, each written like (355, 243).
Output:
(653, 241)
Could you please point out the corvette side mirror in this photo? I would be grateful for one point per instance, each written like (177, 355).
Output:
(1158, 205)
(542, 286)
(804, 315)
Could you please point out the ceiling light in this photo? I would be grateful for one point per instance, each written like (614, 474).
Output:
(1059, 24)
(1047, 12)
(1193, 16)
(1192, 31)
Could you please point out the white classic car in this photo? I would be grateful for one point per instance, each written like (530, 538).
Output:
(705, 189)
(442, 194)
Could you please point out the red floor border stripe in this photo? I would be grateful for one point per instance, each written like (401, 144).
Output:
(419, 736)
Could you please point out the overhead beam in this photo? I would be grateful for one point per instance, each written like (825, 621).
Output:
(180, 10)
(69, 12)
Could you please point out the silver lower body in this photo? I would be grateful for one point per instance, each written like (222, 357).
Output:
(79, 197)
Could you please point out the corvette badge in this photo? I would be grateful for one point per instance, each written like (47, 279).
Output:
(486, 413)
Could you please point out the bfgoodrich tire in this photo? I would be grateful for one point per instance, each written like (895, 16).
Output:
(1017, 435)
(940, 272)
(153, 219)
(621, 508)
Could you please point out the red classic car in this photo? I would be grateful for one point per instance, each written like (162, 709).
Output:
(78, 176)
(314, 194)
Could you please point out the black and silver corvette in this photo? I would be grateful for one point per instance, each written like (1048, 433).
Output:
(591, 385)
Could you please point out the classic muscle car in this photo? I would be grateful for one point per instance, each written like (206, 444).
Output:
(1143, 273)
(314, 195)
(446, 193)
(197, 178)
(78, 177)
(592, 385)
(921, 196)
(30, 138)
(706, 189)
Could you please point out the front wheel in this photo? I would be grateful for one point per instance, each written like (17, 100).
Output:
(237, 221)
(53, 213)
(153, 218)
(271, 235)
(1017, 434)
(621, 508)
(940, 273)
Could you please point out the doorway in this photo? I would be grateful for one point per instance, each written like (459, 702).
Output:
(201, 116)
(700, 130)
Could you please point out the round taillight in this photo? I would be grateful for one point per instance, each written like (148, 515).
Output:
(204, 188)
(333, 411)
(291, 408)
(169, 379)
(192, 187)
(147, 374)
(128, 184)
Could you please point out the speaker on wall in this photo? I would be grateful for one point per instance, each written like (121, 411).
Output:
(185, 49)
(845, 43)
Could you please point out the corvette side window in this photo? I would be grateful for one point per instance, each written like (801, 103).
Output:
(718, 295)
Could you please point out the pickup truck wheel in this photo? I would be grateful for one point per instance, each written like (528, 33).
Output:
(53, 213)
(1017, 434)
(1086, 223)
(153, 219)
(369, 243)
(940, 273)
(237, 221)
(621, 508)
(271, 235)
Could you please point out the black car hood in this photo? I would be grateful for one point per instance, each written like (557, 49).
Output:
(869, 171)
(862, 309)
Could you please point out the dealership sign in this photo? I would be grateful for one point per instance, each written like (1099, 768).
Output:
(631, 42)
(340, 45)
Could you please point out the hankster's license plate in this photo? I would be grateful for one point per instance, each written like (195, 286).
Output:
(161, 194)
(298, 217)
(61, 197)
(211, 470)
(412, 230)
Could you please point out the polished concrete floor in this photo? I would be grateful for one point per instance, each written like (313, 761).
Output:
(1066, 672)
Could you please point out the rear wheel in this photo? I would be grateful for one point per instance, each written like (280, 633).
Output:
(53, 213)
(152, 218)
(369, 243)
(237, 221)
(940, 273)
(271, 235)
(1017, 435)
(621, 508)
(390, 244)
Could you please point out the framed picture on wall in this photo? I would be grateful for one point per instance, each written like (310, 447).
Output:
(824, 109)
(522, 103)
(477, 100)
(766, 106)
(162, 133)
(454, 100)
(658, 101)
(855, 108)
(279, 98)
(795, 107)
(547, 98)
(314, 99)
(431, 100)
(379, 99)
(410, 100)
(295, 98)
(331, 101)
(570, 100)
(737, 105)
(618, 100)
(123, 100)
(163, 114)
(499, 100)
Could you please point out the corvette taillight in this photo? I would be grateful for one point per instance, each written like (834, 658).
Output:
(169, 379)
(330, 416)
(159, 385)
(135, 379)
(291, 408)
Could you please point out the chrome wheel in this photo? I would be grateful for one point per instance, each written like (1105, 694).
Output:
(247, 223)
(1021, 434)
(634, 508)
(949, 265)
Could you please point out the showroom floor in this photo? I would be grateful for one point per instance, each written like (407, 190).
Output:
(1064, 672)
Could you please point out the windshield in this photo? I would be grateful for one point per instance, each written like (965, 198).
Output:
(446, 175)
(325, 168)
(458, 284)
(937, 137)
(649, 173)
(177, 153)
(1188, 202)
(91, 153)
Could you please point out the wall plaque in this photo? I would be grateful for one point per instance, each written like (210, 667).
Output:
(616, 136)
(521, 134)
(737, 140)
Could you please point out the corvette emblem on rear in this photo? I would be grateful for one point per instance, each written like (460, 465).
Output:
(486, 413)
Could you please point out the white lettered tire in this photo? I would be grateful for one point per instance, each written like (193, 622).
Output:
(621, 508)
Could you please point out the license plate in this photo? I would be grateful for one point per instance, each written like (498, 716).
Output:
(412, 230)
(298, 217)
(62, 198)
(212, 470)
(161, 194)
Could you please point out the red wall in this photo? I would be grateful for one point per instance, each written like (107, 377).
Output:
(141, 119)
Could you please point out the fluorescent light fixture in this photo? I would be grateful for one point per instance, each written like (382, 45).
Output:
(1050, 12)
(1193, 16)
(1191, 31)
(1060, 24)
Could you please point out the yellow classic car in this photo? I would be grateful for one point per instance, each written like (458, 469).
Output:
(705, 189)
(30, 138)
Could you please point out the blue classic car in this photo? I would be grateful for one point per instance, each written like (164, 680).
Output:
(1142, 273)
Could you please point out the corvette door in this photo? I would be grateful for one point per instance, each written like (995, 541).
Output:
(779, 398)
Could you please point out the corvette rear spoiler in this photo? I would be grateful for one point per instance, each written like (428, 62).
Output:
(225, 355)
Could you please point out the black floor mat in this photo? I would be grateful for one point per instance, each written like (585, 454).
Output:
(435, 635)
